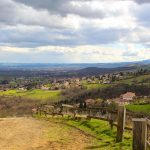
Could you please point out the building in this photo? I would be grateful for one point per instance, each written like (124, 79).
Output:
(127, 98)
(90, 102)
(44, 88)
(106, 81)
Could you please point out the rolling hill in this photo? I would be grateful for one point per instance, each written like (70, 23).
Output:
(96, 71)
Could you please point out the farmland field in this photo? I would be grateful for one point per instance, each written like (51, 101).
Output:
(139, 108)
(36, 94)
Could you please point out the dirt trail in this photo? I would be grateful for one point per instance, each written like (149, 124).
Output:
(31, 134)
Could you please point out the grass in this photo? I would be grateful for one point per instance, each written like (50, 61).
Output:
(36, 94)
(145, 108)
(95, 86)
(105, 138)
(138, 79)
(59, 133)
(101, 130)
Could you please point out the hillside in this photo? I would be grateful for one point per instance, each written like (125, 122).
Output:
(141, 79)
(96, 71)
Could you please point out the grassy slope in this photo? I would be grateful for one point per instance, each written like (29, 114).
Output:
(101, 130)
(138, 79)
(139, 108)
(94, 86)
(33, 94)
(131, 80)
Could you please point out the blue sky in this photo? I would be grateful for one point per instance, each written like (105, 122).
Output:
(74, 31)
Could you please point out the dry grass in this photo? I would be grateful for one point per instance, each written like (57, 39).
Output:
(31, 134)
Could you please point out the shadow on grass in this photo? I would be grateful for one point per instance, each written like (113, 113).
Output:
(97, 147)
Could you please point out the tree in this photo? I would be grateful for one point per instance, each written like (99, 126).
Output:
(4, 82)
(84, 105)
(81, 105)
(113, 78)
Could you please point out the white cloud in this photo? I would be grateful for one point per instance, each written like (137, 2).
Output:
(18, 13)
(14, 49)
(13, 13)
(86, 53)
(79, 30)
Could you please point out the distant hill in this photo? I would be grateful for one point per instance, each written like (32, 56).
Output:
(95, 70)
(69, 70)
(69, 66)
(88, 71)
(146, 62)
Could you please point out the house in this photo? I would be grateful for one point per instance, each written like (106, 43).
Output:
(77, 80)
(106, 81)
(121, 77)
(66, 84)
(90, 102)
(44, 88)
(22, 89)
(127, 98)
(89, 80)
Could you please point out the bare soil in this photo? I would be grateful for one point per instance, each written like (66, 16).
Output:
(32, 134)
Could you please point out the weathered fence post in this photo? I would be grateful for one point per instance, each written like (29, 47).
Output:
(110, 119)
(120, 123)
(139, 134)
(111, 123)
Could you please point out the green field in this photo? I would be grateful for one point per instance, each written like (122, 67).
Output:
(95, 86)
(137, 79)
(139, 108)
(101, 130)
(36, 94)
(106, 138)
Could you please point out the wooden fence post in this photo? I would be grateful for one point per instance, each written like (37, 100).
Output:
(120, 123)
(139, 134)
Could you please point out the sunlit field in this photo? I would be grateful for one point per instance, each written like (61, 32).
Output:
(139, 108)
(36, 94)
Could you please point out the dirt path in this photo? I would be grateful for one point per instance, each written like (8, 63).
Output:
(31, 134)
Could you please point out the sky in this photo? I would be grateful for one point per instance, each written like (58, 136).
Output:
(74, 31)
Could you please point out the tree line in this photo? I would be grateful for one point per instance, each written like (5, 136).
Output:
(77, 95)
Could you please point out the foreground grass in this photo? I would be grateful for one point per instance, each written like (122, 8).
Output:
(36, 94)
(145, 108)
(105, 138)
(101, 130)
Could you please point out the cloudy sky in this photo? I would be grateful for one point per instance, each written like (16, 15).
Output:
(74, 31)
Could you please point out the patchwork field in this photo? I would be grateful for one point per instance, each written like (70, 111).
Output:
(36, 94)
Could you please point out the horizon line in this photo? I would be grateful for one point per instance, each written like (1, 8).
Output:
(73, 62)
